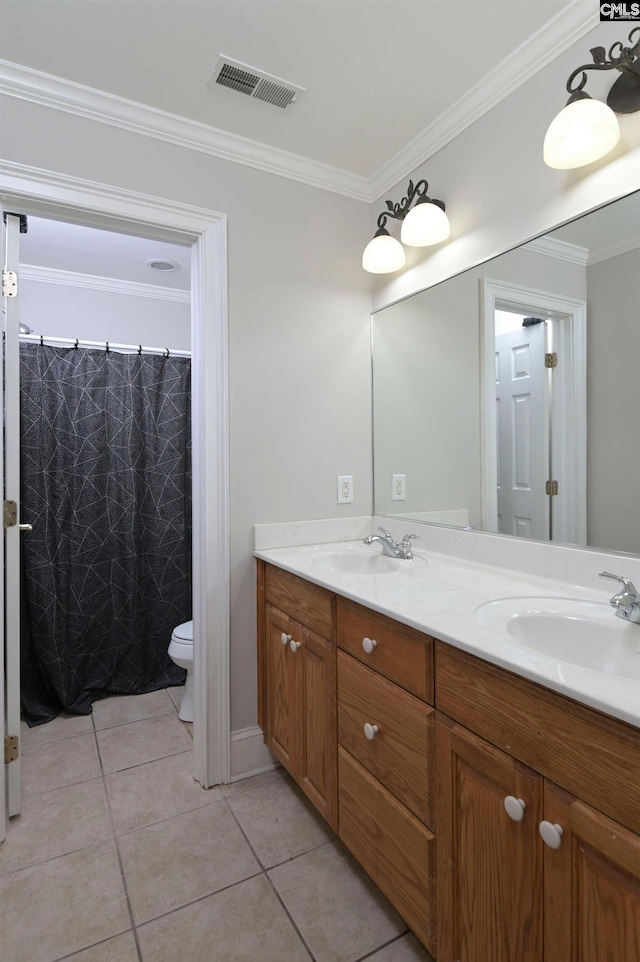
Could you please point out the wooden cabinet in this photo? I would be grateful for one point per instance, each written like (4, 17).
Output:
(385, 759)
(504, 894)
(410, 747)
(489, 866)
(592, 885)
(300, 687)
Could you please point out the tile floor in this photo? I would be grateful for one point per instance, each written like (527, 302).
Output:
(119, 856)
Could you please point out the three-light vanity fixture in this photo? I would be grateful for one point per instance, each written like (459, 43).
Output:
(586, 130)
(422, 225)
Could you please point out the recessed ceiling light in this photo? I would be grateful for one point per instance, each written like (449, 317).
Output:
(157, 264)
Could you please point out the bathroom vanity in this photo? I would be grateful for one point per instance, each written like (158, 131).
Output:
(499, 816)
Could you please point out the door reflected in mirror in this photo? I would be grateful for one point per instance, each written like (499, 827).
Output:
(483, 431)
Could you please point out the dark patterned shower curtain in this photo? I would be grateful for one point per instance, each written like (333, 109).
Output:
(106, 483)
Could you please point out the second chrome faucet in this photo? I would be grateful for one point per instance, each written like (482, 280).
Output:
(391, 548)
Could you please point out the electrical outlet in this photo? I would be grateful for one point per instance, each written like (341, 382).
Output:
(398, 487)
(345, 489)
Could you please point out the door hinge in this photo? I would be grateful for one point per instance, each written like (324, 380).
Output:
(551, 360)
(9, 514)
(11, 749)
(551, 487)
(9, 284)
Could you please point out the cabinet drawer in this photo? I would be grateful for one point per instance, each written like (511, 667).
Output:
(308, 603)
(392, 846)
(400, 653)
(400, 755)
(563, 740)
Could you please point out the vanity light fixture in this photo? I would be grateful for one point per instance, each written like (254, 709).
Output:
(422, 225)
(586, 130)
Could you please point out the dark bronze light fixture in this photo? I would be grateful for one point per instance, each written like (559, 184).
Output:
(422, 225)
(586, 130)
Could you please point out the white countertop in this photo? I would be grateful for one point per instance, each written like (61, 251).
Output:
(438, 594)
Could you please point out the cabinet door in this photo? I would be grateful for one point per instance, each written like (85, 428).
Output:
(592, 885)
(283, 689)
(489, 866)
(318, 762)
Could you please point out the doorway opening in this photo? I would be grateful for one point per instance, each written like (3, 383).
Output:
(105, 357)
(533, 413)
(50, 195)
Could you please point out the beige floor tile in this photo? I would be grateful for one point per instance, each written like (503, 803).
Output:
(120, 949)
(50, 910)
(64, 726)
(279, 821)
(245, 923)
(175, 694)
(142, 741)
(406, 949)
(154, 791)
(184, 858)
(248, 784)
(55, 823)
(338, 910)
(59, 763)
(123, 709)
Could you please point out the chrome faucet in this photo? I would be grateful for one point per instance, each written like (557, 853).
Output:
(393, 549)
(627, 601)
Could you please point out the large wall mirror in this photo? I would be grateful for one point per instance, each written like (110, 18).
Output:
(507, 398)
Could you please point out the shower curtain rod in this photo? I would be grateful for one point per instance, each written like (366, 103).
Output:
(103, 345)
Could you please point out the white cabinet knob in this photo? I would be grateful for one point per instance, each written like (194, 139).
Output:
(285, 638)
(515, 808)
(551, 834)
(370, 731)
(294, 645)
(369, 644)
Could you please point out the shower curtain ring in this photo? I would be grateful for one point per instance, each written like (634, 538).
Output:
(168, 354)
(106, 345)
(139, 350)
(42, 340)
(76, 344)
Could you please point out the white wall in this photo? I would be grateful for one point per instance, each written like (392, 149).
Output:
(613, 378)
(98, 315)
(497, 189)
(299, 305)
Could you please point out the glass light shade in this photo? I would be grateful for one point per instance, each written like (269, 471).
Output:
(424, 225)
(581, 133)
(383, 254)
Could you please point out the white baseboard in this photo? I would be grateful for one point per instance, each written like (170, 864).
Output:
(249, 754)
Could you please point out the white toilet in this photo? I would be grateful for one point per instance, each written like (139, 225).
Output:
(181, 652)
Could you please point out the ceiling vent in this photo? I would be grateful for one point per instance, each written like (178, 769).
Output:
(254, 83)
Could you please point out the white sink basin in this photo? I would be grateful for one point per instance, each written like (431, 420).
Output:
(354, 560)
(361, 559)
(583, 633)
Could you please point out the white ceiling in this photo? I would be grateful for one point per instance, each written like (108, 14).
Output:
(378, 76)
(377, 73)
(55, 246)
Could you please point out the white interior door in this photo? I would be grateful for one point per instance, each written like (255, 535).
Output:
(12, 530)
(522, 427)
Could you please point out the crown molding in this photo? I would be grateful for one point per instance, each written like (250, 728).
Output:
(46, 90)
(572, 23)
(95, 282)
(560, 250)
(622, 246)
(583, 256)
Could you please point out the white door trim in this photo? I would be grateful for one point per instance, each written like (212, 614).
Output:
(569, 415)
(44, 193)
